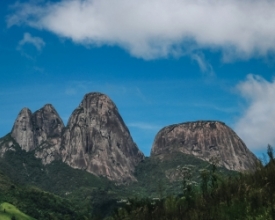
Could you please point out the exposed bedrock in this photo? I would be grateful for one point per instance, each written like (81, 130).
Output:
(97, 140)
(205, 140)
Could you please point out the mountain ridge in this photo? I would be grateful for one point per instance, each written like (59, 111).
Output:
(95, 139)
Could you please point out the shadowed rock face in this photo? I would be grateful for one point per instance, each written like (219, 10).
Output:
(97, 140)
(22, 130)
(48, 127)
(40, 131)
(205, 140)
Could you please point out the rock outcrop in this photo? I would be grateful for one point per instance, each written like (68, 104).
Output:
(22, 130)
(39, 132)
(48, 127)
(7, 144)
(97, 140)
(205, 140)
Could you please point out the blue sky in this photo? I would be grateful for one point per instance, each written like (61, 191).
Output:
(161, 61)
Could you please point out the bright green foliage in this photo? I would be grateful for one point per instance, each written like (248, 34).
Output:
(8, 212)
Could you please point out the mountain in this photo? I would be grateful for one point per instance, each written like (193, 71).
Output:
(39, 132)
(96, 139)
(206, 140)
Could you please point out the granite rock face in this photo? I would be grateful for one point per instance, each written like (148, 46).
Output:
(205, 140)
(22, 130)
(48, 127)
(39, 132)
(6, 144)
(97, 140)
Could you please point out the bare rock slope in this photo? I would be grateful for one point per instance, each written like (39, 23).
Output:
(97, 140)
(39, 132)
(205, 140)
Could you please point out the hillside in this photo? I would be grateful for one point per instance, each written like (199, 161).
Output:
(246, 196)
(27, 202)
(83, 190)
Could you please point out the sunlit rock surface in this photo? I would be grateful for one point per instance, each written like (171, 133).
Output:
(97, 140)
(205, 140)
(22, 130)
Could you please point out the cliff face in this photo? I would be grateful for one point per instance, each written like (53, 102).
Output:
(205, 140)
(39, 132)
(48, 127)
(22, 130)
(97, 140)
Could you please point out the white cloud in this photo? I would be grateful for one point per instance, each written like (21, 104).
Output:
(158, 28)
(204, 66)
(37, 42)
(257, 125)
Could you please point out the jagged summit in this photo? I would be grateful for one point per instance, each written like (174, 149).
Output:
(30, 130)
(96, 139)
(22, 130)
(205, 140)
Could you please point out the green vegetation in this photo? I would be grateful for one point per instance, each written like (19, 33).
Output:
(34, 202)
(91, 194)
(245, 196)
(164, 176)
(176, 187)
(8, 212)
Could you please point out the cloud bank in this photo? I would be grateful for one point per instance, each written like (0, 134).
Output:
(157, 28)
(257, 126)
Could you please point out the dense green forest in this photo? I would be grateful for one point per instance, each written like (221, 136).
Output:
(177, 187)
(243, 196)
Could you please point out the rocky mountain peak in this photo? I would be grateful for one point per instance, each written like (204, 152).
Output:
(47, 123)
(97, 140)
(30, 130)
(22, 130)
(205, 140)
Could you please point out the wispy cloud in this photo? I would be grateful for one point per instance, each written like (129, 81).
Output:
(158, 28)
(142, 96)
(37, 42)
(257, 125)
(204, 66)
(144, 126)
(216, 107)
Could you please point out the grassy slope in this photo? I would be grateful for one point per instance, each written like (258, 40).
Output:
(35, 202)
(7, 211)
